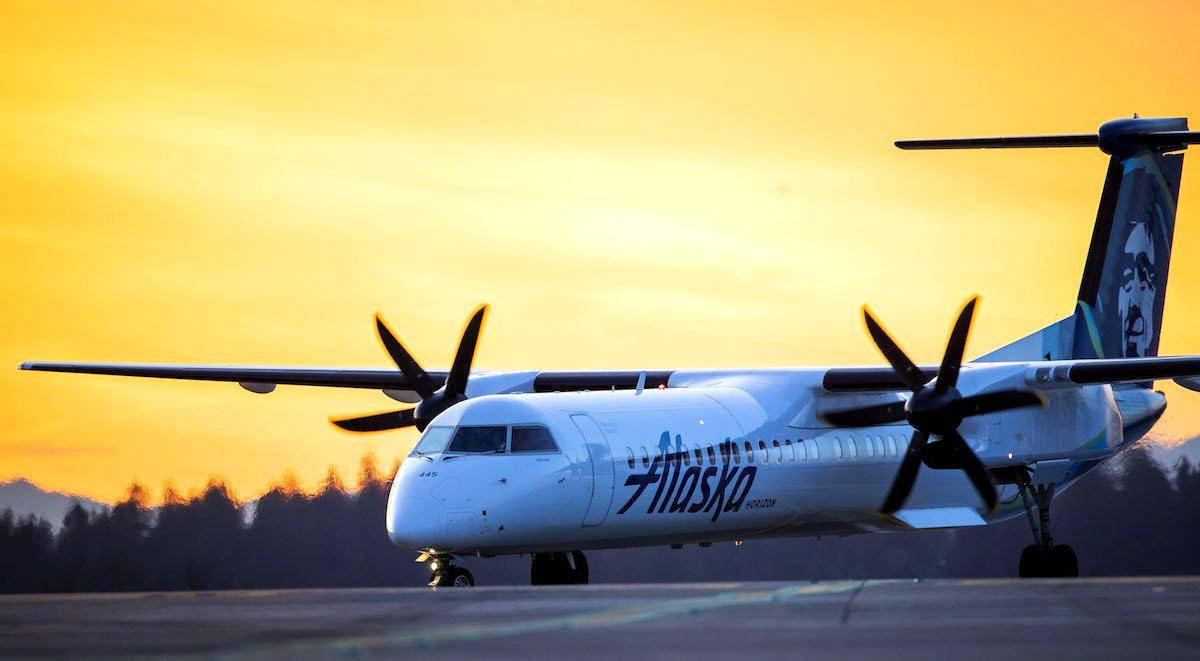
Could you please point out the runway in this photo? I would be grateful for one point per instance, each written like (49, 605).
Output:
(1155, 617)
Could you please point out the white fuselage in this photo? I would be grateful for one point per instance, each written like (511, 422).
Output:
(727, 455)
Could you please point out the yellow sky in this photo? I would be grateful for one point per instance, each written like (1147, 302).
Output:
(629, 185)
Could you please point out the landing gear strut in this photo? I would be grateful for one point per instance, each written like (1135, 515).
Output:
(1043, 558)
(446, 574)
(558, 569)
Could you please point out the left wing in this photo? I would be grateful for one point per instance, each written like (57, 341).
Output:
(1185, 370)
(1057, 373)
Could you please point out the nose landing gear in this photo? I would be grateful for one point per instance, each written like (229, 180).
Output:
(445, 574)
(558, 569)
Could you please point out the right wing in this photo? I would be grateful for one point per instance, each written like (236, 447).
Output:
(347, 377)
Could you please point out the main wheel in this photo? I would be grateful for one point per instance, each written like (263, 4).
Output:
(556, 569)
(581, 567)
(1063, 562)
(540, 569)
(1033, 562)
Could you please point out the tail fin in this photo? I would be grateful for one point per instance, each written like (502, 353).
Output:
(1120, 304)
(1124, 286)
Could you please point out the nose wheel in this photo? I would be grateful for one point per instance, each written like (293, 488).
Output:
(558, 569)
(448, 575)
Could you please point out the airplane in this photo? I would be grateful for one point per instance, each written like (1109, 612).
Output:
(551, 464)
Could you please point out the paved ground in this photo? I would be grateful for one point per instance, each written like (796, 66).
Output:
(1155, 618)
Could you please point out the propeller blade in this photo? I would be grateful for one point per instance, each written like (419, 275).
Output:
(865, 416)
(1001, 400)
(974, 469)
(377, 421)
(412, 371)
(456, 381)
(907, 475)
(909, 374)
(947, 376)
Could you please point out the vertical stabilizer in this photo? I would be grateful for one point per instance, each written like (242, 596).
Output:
(1120, 304)
(1119, 310)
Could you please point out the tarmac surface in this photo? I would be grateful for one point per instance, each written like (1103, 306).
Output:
(1156, 617)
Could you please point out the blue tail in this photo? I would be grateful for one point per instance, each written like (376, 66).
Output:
(1119, 310)
(1120, 305)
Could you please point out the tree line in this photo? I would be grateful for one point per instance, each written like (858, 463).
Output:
(1131, 516)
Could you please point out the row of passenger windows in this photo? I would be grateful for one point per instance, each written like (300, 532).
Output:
(485, 439)
(844, 447)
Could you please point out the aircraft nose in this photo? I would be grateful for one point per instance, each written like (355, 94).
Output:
(415, 522)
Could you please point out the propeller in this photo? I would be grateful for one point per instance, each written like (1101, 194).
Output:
(936, 408)
(432, 401)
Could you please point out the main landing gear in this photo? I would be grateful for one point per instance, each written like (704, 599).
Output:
(446, 574)
(1043, 558)
(558, 569)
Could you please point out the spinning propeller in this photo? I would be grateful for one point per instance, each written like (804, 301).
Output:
(935, 408)
(433, 401)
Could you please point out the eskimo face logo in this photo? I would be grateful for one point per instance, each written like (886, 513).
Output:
(720, 491)
(1135, 300)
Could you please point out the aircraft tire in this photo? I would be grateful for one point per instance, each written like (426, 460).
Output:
(1033, 562)
(1063, 561)
(452, 577)
(581, 567)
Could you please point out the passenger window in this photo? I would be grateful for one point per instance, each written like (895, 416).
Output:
(891, 445)
(629, 457)
(853, 448)
(687, 457)
(479, 439)
(791, 449)
(532, 439)
(837, 448)
(737, 457)
(778, 450)
(645, 458)
(712, 456)
(870, 443)
(749, 453)
(763, 452)
(699, 455)
(802, 450)
(814, 450)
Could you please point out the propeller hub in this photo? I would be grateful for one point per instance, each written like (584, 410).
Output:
(934, 411)
(432, 406)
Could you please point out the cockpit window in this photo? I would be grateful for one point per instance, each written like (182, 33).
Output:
(478, 439)
(532, 439)
(433, 440)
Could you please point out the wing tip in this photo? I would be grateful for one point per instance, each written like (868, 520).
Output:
(27, 365)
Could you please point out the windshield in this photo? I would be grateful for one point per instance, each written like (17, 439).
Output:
(479, 439)
(433, 440)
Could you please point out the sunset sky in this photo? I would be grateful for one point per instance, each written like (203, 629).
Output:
(629, 185)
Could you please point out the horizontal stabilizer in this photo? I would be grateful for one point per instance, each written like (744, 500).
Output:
(1012, 142)
(1118, 137)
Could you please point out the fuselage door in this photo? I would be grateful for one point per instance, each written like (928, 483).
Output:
(602, 469)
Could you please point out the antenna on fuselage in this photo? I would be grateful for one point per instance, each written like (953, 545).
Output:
(641, 383)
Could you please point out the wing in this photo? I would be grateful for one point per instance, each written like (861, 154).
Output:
(1058, 373)
(1185, 370)
(253, 378)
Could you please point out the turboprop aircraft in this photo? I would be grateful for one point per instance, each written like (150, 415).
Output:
(555, 463)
